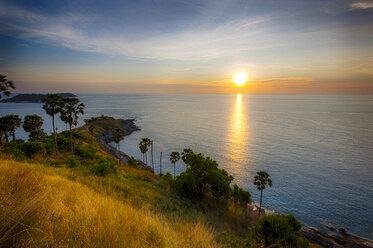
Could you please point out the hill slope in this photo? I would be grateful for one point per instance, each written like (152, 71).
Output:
(40, 208)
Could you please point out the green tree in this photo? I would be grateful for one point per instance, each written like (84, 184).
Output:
(241, 196)
(143, 150)
(174, 157)
(32, 123)
(70, 109)
(261, 179)
(144, 145)
(184, 154)
(118, 135)
(4, 129)
(52, 107)
(277, 230)
(5, 85)
(11, 122)
(37, 135)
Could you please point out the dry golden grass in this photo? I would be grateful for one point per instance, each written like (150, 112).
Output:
(41, 209)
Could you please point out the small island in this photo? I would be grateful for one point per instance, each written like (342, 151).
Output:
(33, 98)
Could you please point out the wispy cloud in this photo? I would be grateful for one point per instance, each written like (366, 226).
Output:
(367, 4)
(206, 41)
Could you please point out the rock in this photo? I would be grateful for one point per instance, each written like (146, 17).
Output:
(341, 239)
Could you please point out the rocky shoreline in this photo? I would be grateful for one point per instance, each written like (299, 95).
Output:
(336, 238)
(129, 127)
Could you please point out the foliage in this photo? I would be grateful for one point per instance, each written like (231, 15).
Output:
(37, 135)
(85, 152)
(203, 176)
(131, 161)
(9, 123)
(32, 123)
(118, 135)
(72, 162)
(184, 154)
(144, 145)
(261, 179)
(241, 196)
(104, 167)
(278, 231)
(18, 154)
(5, 85)
(174, 157)
(166, 180)
(52, 107)
(31, 148)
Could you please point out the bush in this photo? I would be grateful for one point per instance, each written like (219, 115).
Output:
(85, 152)
(31, 148)
(75, 134)
(72, 162)
(203, 176)
(166, 180)
(18, 154)
(37, 135)
(131, 161)
(63, 142)
(241, 196)
(281, 230)
(104, 167)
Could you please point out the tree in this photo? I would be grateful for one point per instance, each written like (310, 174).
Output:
(277, 230)
(185, 153)
(143, 150)
(32, 123)
(241, 196)
(261, 179)
(52, 107)
(37, 135)
(174, 157)
(144, 145)
(5, 86)
(4, 129)
(11, 122)
(70, 109)
(118, 135)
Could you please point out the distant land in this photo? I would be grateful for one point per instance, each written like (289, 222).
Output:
(33, 97)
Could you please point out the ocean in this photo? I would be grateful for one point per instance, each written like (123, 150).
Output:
(318, 149)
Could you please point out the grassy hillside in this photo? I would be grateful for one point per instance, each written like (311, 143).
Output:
(39, 208)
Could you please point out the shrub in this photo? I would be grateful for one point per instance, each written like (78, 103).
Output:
(203, 176)
(63, 142)
(166, 180)
(18, 154)
(37, 135)
(85, 152)
(75, 134)
(241, 196)
(281, 230)
(30, 148)
(104, 167)
(131, 161)
(72, 162)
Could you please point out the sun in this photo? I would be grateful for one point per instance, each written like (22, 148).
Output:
(240, 78)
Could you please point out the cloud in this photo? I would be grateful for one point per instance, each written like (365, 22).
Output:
(367, 4)
(204, 41)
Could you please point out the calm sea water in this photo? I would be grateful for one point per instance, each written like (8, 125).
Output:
(318, 149)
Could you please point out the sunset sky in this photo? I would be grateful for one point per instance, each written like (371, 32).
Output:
(160, 46)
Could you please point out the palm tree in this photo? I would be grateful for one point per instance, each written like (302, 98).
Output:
(70, 109)
(32, 123)
(11, 123)
(5, 85)
(52, 107)
(174, 157)
(261, 179)
(143, 149)
(4, 129)
(118, 135)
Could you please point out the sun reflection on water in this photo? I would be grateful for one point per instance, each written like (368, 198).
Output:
(237, 139)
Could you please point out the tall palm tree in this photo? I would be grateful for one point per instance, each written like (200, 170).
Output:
(5, 85)
(143, 150)
(70, 110)
(174, 157)
(118, 135)
(261, 179)
(32, 123)
(52, 107)
(11, 123)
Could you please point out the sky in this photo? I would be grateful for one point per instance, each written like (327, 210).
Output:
(163, 46)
